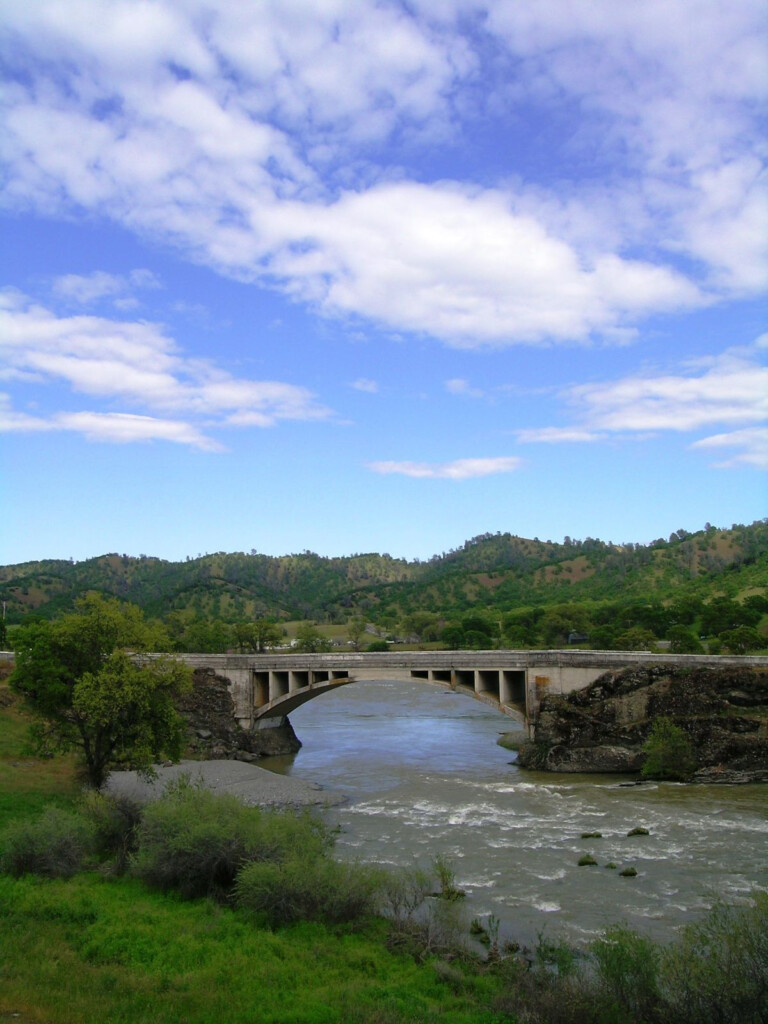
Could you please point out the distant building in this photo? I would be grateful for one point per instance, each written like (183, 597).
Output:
(578, 638)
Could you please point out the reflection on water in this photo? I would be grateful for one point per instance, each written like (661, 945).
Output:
(424, 775)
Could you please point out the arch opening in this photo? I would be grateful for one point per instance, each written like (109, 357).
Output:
(501, 689)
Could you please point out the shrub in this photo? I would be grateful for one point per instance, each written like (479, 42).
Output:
(669, 753)
(301, 889)
(627, 966)
(114, 820)
(446, 876)
(718, 970)
(55, 844)
(197, 841)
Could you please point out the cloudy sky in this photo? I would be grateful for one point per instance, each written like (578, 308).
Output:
(347, 275)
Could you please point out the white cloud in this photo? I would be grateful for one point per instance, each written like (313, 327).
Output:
(459, 386)
(247, 136)
(85, 289)
(730, 389)
(461, 469)
(753, 442)
(557, 435)
(365, 384)
(734, 389)
(138, 365)
(463, 265)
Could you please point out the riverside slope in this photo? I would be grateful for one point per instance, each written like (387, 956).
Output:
(724, 713)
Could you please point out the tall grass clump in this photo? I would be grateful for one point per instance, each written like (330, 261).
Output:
(298, 889)
(56, 844)
(196, 841)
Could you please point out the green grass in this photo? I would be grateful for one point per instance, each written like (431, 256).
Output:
(27, 783)
(96, 949)
(109, 951)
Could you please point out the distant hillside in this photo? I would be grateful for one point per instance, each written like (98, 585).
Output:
(493, 572)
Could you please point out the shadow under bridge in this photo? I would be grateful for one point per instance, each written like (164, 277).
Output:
(289, 681)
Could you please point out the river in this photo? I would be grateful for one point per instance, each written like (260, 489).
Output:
(424, 775)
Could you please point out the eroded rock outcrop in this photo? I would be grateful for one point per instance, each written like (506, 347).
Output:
(724, 713)
(214, 733)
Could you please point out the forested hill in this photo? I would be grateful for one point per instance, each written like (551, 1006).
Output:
(494, 572)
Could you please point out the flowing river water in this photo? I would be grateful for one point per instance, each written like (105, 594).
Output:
(424, 775)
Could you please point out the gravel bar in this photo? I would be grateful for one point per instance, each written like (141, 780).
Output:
(254, 786)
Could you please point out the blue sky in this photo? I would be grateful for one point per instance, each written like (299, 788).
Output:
(351, 276)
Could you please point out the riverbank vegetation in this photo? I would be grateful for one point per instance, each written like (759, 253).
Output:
(199, 909)
(692, 592)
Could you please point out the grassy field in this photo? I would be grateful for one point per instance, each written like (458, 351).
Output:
(99, 949)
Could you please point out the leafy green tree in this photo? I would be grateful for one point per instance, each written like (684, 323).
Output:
(257, 635)
(669, 753)
(722, 615)
(311, 640)
(356, 631)
(743, 639)
(603, 638)
(636, 639)
(683, 641)
(3, 635)
(452, 636)
(89, 694)
(422, 625)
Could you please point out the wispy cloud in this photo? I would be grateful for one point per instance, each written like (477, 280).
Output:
(85, 289)
(461, 469)
(729, 389)
(751, 445)
(459, 386)
(557, 435)
(365, 384)
(137, 365)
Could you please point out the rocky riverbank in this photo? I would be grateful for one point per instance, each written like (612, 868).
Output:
(213, 732)
(723, 712)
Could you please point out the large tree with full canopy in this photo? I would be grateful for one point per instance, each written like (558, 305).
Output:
(83, 679)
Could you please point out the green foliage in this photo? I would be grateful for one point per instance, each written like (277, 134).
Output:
(196, 841)
(258, 635)
(669, 753)
(539, 591)
(718, 971)
(89, 695)
(743, 640)
(114, 821)
(302, 888)
(310, 640)
(636, 639)
(627, 967)
(683, 641)
(56, 845)
(446, 877)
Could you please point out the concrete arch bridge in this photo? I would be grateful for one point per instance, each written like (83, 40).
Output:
(265, 688)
